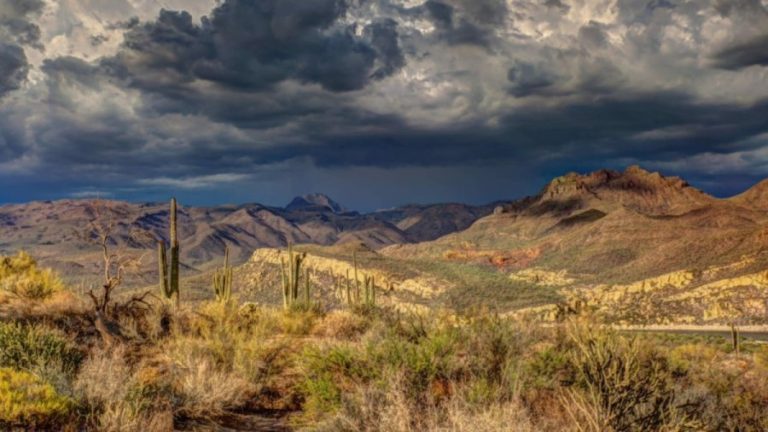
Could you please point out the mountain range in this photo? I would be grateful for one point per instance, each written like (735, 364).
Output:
(625, 242)
(58, 234)
(631, 246)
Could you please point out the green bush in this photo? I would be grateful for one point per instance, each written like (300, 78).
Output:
(328, 372)
(29, 347)
(624, 385)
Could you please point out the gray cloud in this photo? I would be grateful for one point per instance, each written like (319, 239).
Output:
(16, 24)
(253, 46)
(268, 90)
(748, 46)
(17, 30)
(750, 53)
(527, 79)
(13, 68)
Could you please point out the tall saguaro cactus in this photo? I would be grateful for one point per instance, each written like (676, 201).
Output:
(370, 291)
(222, 280)
(357, 281)
(169, 275)
(290, 273)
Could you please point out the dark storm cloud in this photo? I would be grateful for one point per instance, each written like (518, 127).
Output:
(252, 46)
(337, 86)
(528, 79)
(16, 21)
(728, 7)
(750, 53)
(384, 39)
(555, 77)
(593, 35)
(660, 4)
(467, 22)
(13, 68)
(750, 48)
(610, 128)
(557, 4)
(16, 30)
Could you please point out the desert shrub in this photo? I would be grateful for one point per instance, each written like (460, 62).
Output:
(621, 384)
(328, 373)
(30, 347)
(116, 397)
(341, 325)
(20, 275)
(730, 393)
(390, 409)
(426, 363)
(496, 346)
(547, 368)
(420, 353)
(205, 391)
(27, 401)
(297, 321)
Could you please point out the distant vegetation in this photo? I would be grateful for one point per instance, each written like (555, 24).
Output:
(368, 368)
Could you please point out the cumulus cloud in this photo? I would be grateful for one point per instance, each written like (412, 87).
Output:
(16, 31)
(13, 68)
(254, 45)
(16, 21)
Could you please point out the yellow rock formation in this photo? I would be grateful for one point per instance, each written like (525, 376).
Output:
(543, 277)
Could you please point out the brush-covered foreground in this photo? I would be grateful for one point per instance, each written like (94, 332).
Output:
(249, 367)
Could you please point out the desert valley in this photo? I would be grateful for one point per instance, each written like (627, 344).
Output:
(384, 215)
(633, 247)
(602, 300)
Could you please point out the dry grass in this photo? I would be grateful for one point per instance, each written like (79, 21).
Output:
(392, 410)
(340, 324)
(377, 370)
(208, 392)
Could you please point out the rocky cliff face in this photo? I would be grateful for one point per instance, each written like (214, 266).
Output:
(635, 188)
(610, 227)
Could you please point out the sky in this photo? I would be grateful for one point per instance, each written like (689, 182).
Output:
(375, 102)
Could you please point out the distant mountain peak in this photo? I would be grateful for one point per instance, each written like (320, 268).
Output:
(315, 201)
(635, 187)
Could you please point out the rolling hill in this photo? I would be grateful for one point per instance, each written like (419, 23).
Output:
(634, 246)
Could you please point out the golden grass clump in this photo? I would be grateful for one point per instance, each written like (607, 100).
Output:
(20, 275)
(28, 401)
(340, 324)
(119, 397)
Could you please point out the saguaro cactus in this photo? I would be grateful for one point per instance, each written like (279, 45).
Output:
(370, 290)
(290, 273)
(348, 288)
(169, 277)
(222, 280)
(357, 281)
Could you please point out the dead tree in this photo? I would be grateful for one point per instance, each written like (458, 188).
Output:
(116, 263)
